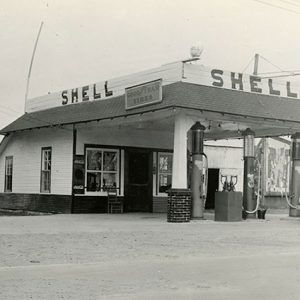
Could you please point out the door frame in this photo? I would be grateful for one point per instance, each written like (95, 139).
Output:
(217, 178)
(127, 151)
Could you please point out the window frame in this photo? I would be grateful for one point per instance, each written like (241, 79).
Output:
(8, 158)
(162, 194)
(42, 190)
(117, 172)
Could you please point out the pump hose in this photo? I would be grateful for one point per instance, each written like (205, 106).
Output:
(205, 178)
(287, 200)
(257, 198)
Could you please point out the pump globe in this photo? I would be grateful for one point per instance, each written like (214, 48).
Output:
(196, 51)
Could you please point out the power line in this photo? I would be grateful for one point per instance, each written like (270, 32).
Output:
(295, 2)
(277, 6)
(248, 65)
(31, 119)
(277, 67)
(5, 114)
(278, 72)
(289, 3)
(9, 109)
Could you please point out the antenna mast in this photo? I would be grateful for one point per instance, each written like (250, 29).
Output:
(256, 58)
(31, 62)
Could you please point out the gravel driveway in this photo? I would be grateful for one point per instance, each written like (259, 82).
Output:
(141, 256)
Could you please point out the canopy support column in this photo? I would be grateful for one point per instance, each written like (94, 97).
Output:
(179, 202)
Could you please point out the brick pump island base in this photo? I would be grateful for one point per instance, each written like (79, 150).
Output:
(141, 137)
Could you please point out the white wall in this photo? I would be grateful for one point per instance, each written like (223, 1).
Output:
(123, 137)
(25, 147)
(229, 160)
(224, 157)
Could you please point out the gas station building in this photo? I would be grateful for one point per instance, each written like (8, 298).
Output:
(142, 135)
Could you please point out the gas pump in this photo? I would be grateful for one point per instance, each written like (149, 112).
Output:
(248, 190)
(258, 195)
(293, 198)
(199, 171)
(229, 186)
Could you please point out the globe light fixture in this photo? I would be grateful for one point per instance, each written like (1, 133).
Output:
(248, 143)
(196, 51)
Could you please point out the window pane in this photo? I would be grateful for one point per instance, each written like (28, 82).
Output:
(165, 182)
(165, 163)
(46, 181)
(44, 165)
(109, 180)
(8, 165)
(94, 160)
(49, 155)
(93, 182)
(9, 181)
(46, 170)
(110, 161)
(8, 174)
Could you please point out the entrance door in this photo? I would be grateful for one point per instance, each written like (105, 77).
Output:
(212, 187)
(138, 181)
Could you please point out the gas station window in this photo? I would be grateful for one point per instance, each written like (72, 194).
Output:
(165, 161)
(102, 169)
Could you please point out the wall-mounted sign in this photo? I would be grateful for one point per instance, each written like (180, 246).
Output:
(251, 83)
(104, 90)
(143, 94)
(241, 82)
(78, 176)
(85, 93)
(143, 88)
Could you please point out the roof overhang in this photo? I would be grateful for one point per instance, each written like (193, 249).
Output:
(225, 112)
(226, 102)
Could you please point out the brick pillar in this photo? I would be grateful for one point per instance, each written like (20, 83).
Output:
(179, 205)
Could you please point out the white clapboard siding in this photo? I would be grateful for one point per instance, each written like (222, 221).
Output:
(232, 172)
(224, 157)
(169, 74)
(124, 137)
(25, 147)
(229, 160)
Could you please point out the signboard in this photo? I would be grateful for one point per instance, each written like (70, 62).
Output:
(104, 90)
(143, 88)
(143, 94)
(272, 158)
(277, 166)
(78, 182)
(220, 78)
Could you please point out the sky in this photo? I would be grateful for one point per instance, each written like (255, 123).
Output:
(88, 41)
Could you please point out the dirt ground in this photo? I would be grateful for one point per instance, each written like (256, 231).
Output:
(141, 256)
